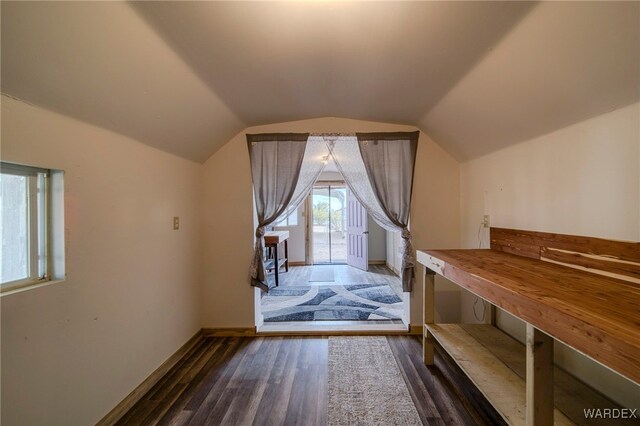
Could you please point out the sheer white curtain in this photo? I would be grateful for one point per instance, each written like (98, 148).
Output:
(346, 154)
(315, 155)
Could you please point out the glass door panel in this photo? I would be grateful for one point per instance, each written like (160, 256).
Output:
(329, 225)
(320, 224)
(338, 213)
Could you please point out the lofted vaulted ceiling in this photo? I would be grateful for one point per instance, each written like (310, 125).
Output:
(186, 76)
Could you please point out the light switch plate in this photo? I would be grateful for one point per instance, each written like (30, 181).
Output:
(176, 223)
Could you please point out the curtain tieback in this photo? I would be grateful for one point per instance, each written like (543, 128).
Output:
(405, 234)
(260, 232)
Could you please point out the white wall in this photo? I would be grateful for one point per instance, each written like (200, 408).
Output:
(393, 258)
(329, 175)
(72, 351)
(377, 245)
(297, 237)
(581, 180)
(229, 300)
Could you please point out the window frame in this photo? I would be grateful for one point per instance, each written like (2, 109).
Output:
(38, 228)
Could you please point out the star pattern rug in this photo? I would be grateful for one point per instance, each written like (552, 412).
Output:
(354, 302)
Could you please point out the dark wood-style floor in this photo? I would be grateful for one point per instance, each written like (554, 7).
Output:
(283, 381)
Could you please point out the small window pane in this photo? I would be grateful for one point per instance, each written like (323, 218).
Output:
(291, 220)
(42, 225)
(14, 227)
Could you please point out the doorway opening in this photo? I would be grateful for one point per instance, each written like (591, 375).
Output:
(342, 273)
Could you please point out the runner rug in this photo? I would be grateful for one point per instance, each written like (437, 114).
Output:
(366, 386)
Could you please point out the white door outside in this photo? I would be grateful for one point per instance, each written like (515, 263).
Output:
(357, 234)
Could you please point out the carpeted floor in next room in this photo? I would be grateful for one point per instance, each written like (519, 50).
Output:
(355, 302)
(335, 293)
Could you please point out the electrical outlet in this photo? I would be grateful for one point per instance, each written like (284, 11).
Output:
(485, 221)
(176, 223)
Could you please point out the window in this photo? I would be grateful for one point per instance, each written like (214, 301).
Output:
(291, 220)
(25, 220)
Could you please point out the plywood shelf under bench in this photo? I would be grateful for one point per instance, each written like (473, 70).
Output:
(496, 364)
(582, 291)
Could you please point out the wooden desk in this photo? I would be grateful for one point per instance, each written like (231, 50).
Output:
(596, 314)
(271, 240)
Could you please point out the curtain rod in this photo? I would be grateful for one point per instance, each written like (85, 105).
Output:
(408, 134)
(333, 134)
(337, 134)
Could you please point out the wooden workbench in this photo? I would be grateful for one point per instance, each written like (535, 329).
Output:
(584, 292)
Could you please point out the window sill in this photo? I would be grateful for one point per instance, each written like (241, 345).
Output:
(19, 288)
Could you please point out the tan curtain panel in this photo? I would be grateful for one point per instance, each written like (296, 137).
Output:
(276, 159)
(389, 160)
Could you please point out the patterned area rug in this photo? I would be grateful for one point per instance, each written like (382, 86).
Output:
(355, 302)
(366, 386)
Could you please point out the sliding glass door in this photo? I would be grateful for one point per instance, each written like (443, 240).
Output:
(329, 223)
